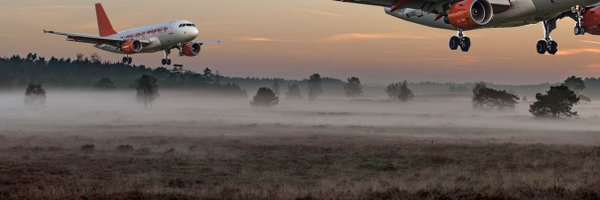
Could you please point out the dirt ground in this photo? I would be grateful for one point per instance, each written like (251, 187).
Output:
(85, 145)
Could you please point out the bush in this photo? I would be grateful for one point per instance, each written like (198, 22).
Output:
(105, 84)
(35, 95)
(265, 97)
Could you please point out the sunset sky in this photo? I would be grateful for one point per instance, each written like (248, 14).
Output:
(292, 39)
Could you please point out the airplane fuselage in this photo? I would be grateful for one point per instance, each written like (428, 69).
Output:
(519, 13)
(161, 36)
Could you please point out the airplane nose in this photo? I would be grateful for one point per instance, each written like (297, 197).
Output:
(195, 31)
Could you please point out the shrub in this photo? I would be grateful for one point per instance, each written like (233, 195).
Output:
(265, 97)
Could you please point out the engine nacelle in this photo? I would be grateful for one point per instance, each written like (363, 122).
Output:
(470, 14)
(591, 20)
(131, 46)
(191, 49)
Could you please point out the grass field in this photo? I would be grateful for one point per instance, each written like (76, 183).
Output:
(104, 146)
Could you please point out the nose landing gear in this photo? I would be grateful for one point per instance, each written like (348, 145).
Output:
(166, 60)
(547, 44)
(460, 41)
(127, 59)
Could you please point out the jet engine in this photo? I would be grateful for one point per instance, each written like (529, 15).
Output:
(191, 49)
(131, 46)
(470, 14)
(591, 20)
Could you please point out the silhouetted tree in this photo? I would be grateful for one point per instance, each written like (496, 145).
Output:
(208, 75)
(105, 84)
(558, 101)
(35, 95)
(294, 91)
(95, 58)
(147, 89)
(488, 98)
(314, 86)
(353, 87)
(265, 97)
(80, 57)
(276, 88)
(399, 91)
(577, 85)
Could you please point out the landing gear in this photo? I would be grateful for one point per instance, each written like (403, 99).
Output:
(547, 44)
(127, 59)
(460, 41)
(578, 16)
(166, 60)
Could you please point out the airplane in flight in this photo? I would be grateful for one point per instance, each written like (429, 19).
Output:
(464, 15)
(179, 34)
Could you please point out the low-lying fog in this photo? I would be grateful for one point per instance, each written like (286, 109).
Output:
(196, 113)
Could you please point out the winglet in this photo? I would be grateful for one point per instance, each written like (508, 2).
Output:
(105, 28)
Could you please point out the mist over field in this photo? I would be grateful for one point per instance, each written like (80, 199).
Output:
(449, 117)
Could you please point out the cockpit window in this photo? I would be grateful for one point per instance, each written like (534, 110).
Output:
(184, 25)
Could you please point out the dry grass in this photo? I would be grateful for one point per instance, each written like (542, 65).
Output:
(292, 166)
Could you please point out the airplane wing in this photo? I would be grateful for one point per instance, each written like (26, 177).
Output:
(385, 3)
(499, 5)
(208, 41)
(92, 39)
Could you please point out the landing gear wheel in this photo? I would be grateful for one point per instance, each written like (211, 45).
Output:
(465, 45)
(168, 61)
(163, 61)
(552, 47)
(454, 42)
(542, 46)
(578, 30)
(129, 60)
(125, 60)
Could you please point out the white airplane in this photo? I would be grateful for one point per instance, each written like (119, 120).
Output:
(465, 15)
(148, 39)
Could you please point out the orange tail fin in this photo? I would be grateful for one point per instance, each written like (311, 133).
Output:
(104, 26)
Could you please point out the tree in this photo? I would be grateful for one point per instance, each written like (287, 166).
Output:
(399, 91)
(35, 95)
(314, 86)
(353, 87)
(265, 97)
(276, 88)
(577, 85)
(558, 101)
(147, 89)
(294, 91)
(488, 98)
(105, 84)
(95, 58)
(80, 57)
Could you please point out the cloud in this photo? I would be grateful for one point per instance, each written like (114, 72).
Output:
(372, 36)
(568, 52)
(320, 12)
(255, 39)
(590, 42)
